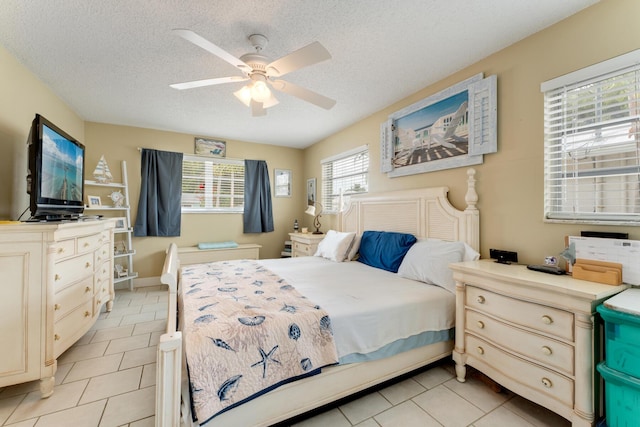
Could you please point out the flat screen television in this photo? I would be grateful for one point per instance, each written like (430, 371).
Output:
(55, 179)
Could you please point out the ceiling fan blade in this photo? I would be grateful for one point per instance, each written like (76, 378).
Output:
(205, 44)
(303, 57)
(207, 82)
(257, 109)
(304, 94)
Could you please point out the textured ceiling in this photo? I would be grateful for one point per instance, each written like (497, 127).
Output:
(112, 61)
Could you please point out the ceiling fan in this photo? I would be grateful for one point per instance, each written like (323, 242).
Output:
(262, 73)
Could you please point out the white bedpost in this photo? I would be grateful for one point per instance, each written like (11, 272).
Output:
(471, 212)
(169, 357)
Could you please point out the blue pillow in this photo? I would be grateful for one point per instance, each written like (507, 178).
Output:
(384, 249)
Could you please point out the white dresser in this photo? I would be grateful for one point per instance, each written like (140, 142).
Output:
(55, 279)
(532, 332)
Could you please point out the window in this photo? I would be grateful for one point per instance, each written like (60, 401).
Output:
(212, 184)
(344, 174)
(592, 143)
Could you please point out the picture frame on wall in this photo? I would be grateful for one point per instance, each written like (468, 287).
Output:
(311, 192)
(282, 183)
(210, 147)
(452, 128)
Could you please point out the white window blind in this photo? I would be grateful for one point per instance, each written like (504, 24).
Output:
(212, 184)
(592, 144)
(346, 174)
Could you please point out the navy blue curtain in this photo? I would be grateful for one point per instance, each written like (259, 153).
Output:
(159, 210)
(258, 212)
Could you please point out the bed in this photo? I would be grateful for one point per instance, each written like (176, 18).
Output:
(425, 213)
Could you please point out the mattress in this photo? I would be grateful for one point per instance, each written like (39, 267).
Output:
(374, 313)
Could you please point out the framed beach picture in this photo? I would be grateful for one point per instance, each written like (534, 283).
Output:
(210, 147)
(121, 224)
(94, 201)
(282, 183)
(452, 128)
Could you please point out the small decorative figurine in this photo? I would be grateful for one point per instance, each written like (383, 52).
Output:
(118, 198)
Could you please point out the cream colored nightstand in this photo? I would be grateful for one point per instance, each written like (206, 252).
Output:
(304, 244)
(532, 332)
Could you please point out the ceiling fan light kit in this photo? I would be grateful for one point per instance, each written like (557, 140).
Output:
(261, 72)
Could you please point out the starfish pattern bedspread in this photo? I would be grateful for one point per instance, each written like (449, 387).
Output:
(247, 331)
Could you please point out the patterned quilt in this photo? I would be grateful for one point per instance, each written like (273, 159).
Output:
(247, 331)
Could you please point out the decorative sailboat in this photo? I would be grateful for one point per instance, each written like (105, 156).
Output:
(102, 173)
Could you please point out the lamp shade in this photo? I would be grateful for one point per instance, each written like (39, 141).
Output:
(311, 210)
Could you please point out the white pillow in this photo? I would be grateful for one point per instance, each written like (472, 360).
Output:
(335, 245)
(428, 261)
(470, 254)
(355, 245)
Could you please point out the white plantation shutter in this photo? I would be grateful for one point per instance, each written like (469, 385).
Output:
(212, 184)
(592, 143)
(346, 174)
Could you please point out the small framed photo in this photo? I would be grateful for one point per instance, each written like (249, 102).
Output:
(311, 192)
(282, 185)
(210, 147)
(94, 201)
(121, 224)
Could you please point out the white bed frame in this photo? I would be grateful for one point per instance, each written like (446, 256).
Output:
(423, 212)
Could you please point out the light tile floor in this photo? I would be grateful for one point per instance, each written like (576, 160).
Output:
(108, 379)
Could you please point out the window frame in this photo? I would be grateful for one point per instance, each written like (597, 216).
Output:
(331, 197)
(565, 128)
(210, 209)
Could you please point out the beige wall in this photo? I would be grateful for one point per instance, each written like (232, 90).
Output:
(22, 95)
(121, 143)
(510, 182)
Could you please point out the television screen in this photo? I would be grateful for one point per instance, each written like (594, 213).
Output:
(55, 179)
(62, 164)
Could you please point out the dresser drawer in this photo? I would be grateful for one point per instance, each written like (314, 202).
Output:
(70, 270)
(303, 249)
(64, 249)
(102, 254)
(90, 243)
(548, 320)
(535, 377)
(72, 296)
(68, 329)
(545, 350)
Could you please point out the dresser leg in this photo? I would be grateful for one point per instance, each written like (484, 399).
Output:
(109, 305)
(461, 372)
(46, 386)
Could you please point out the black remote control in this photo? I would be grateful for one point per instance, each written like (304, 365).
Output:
(546, 269)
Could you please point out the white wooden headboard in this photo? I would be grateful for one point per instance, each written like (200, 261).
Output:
(424, 212)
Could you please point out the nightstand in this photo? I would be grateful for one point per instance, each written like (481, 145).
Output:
(532, 332)
(304, 244)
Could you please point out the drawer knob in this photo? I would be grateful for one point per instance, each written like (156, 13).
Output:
(56, 306)
(86, 244)
(56, 337)
(480, 299)
(547, 382)
(87, 314)
(57, 277)
(480, 350)
(60, 250)
(480, 324)
(547, 320)
(547, 350)
(87, 265)
(87, 289)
